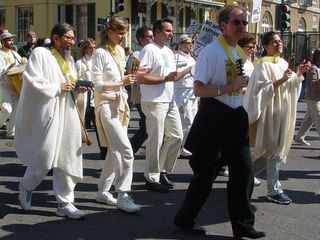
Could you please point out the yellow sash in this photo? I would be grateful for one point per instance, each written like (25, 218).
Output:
(226, 48)
(63, 65)
(272, 59)
(231, 69)
(8, 60)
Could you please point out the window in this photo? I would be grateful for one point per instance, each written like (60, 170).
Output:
(266, 23)
(24, 22)
(314, 23)
(85, 21)
(302, 25)
(2, 17)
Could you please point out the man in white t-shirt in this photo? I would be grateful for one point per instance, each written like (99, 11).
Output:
(219, 134)
(162, 115)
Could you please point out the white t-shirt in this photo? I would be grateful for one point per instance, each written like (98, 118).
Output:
(106, 69)
(161, 60)
(210, 69)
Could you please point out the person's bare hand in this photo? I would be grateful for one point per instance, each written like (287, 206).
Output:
(287, 74)
(24, 60)
(83, 89)
(66, 87)
(304, 66)
(241, 82)
(171, 77)
(129, 79)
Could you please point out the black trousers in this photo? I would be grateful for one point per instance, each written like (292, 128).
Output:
(141, 135)
(229, 146)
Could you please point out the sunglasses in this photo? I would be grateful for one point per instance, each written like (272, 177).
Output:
(249, 47)
(237, 22)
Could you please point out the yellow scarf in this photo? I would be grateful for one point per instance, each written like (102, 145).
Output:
(231, 69)
(115, 53)
(63, 65)
(272, 59)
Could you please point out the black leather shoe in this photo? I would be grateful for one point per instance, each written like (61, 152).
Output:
(157, 187)
(253, 234)
(165, 180)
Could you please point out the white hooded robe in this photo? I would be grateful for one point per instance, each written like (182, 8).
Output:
(48, 133)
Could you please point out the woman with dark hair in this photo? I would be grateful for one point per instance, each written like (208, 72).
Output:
(271, 103)
(112, 115)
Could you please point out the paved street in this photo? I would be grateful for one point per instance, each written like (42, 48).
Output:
(300, 178)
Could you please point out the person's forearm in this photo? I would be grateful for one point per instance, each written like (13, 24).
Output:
(207, 91)
(184, 72)
(149, 79)
(279, 82)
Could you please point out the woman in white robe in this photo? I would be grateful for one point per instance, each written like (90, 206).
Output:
(271, 103)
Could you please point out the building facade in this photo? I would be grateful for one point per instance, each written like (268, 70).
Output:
(21, 16)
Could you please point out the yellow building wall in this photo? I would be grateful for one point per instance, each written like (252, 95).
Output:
(44, 18)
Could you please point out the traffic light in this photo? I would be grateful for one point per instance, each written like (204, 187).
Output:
(285, 17)
(119, 6)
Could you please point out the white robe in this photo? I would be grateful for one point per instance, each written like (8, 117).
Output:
(271, 111)
(48, 132)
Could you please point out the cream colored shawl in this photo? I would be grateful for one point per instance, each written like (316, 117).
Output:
(118, 101)
(271, 111)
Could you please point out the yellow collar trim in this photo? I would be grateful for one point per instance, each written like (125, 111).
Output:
(271, 59)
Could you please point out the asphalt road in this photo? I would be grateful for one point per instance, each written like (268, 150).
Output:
(300, 178)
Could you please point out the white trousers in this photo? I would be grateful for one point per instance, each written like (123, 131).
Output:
(314, 111)
(164, 131)
(273, 168)
(187, 114)
(305, 125)
(8, 108)
(118, 165)
(63, 183)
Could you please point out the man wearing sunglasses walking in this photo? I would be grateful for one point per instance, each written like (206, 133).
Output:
(219, 134)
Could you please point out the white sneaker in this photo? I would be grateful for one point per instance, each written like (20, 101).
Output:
(141, 152)
(224, 172)
(301, 141)
(126, 204)
(184, 152)
(69, 210)
(257, 182)
(24, 197)
(107, 198)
